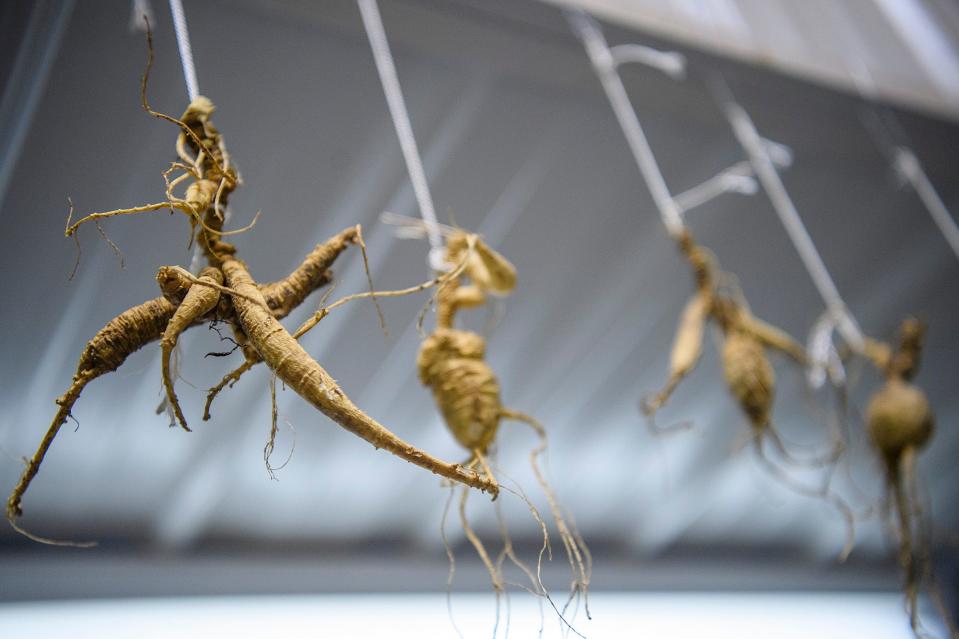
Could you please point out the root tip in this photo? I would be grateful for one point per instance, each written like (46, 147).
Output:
(45, 540)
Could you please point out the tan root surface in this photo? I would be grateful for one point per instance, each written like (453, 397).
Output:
(747, 371)
(253, 309)
(900, 424)
(451, 362)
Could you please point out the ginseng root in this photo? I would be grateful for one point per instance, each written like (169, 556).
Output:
(451, 363)
(199, 301)
(187, 300)
(109, 348)
(140, 325)
(148, 322)
(253, 358)
(580, 559)
(687, 349)
(900, 424)
(294, 366)
(747, 372)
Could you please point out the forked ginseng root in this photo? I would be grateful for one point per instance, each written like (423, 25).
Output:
(748, 374)
(253, 309)
(451, 363)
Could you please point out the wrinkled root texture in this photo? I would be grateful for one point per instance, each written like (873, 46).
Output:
(300, 372)
(122, 336)
(148, 322)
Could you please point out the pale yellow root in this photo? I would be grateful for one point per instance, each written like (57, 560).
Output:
(823, 492)
(654, 401)
(109, 348)
(538, 589)
(48, 540)
(821, 460)
(580, 561)
(451, 557)
(179, 205)
(285, 357)
(113, 245)
(72, 228)
(651, 404)
(65, 402)
(546, 549)
(324, 311)
(184, 127)
(924, 546)
(229, 379)
(274, 429)
(199, 301)
(209, 283)
(508, 552)
(369, 279)
(494, 573)
(907, 559)
(318, 316)
(232, 377)
(773, 337)
(686, 351)
(496, 577)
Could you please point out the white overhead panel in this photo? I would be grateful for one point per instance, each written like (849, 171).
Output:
(903, 51)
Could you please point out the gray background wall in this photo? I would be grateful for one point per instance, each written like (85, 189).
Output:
(520, 144)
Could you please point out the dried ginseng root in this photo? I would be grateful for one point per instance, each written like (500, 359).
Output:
(254, 309)
(451, 362)
(900, 424)
(748, 373)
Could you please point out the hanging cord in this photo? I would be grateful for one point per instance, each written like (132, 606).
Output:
(890, 137)
(736, 179)
(183, 44)
(907, 164)
(143, 14)
(764, 157)
(892, 141)
(605, 65)
(606, 60)
(763, 167)
(404, 129)
(193, 90)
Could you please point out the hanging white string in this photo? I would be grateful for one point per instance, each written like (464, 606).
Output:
(765, 170)
(764, 156)
(907, 164)
(605, 60)
(193, 90)
(736, 179)
(824, 360)
(671, 63)
(404, 129)
(904, 160)
(183, 44)
(605, 65)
